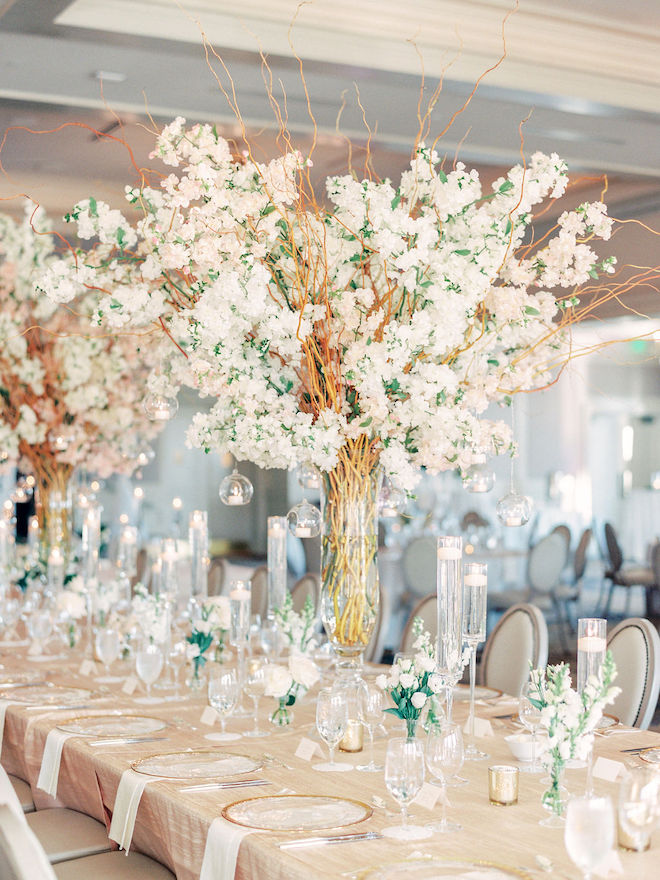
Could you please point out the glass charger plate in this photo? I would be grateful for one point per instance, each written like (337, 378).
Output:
(13, 679)
(47, 694)
(651, 756)
(112, 725)
(607, 721)
(481, 692)
(430, 869)
(296, 812)
(196, 765)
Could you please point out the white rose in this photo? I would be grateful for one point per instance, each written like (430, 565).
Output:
(407, 680)
(72, 604)
(435, 683)
(418, 699)
(192, 651)
(303, 670)
(220, 612)
(424, 663)
(381, 681)
(278, 681)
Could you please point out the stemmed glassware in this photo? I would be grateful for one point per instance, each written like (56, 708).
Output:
(331, 723)
(444, 758)
(530, 718)
(639, 806)
(108, 647)
(450, 613)
(404, 777)
(148, 665)
(475, 584)
(370, 714)
(589, 832)
(10, 614)
(40, 627)
(255, 684)
(177, 657)
(223, 692)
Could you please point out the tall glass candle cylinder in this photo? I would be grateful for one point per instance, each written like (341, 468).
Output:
(169, 558)
(127, 551)
(91, 543)
(591, 648)
(198, 536)
(55, 571)
(277, 529)
(450, 611)
(240, 606)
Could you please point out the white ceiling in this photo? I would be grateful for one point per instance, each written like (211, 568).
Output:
(589, 70)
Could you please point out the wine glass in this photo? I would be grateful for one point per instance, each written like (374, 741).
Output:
(589, 831)
(444, 758)
(40, 627)
(331, 723)
(177, 657)
(271, 640)
(530, 717)
(223, 693)
(148, 665)
(255, 684)
(10, 614)
(108, 646)
(639, 805)
(370, 713)
(404, 776)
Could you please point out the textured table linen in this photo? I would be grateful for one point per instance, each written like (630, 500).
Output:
(173, 826)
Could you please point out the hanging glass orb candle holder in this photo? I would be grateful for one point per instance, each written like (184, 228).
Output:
(514, 509)
(160, 408)
(308, 476)
(304, 520)
(391, 500)
(236, 490)
(59, 442)
(479, 477)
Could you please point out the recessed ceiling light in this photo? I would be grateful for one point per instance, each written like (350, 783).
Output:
(110, 76)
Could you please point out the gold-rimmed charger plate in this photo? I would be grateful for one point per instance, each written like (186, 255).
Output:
(112, 725)
(296, 812)
(196, 764)
(607, 721)
(651, 755)
(47, 695)
(442, 869)
(481, 692)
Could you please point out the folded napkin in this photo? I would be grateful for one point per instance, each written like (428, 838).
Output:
(221, 851)
(129, 794)
(3, 711)
(50, 762)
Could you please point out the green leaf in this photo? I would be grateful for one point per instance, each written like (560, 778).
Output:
(493, 362)
(396, 201)
(530, 310)
(268, 210)
(463, 252)
(506, 186)
(93, 210)
(442, 177)
(509, 226)
(366, 422)
(593, 274)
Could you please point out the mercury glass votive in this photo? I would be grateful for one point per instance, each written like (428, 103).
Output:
(503, 785)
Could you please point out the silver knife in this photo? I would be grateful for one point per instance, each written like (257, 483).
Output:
(322, 841)
(121, 740)
(214, 786)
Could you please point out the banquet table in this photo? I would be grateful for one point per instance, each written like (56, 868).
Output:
(172, 825)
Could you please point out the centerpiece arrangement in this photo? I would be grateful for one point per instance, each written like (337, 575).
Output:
(210, 623)
(364, 330)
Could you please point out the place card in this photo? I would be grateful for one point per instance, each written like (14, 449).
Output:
(34, 650)
(610, 865)
(606, 768)
(87, 668)
(429, 795)
(209, 716)
(129, 685)
(307, 748)
(482, 727)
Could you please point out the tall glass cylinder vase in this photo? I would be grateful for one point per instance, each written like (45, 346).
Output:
(475, 586)
(240, 602)
(591, 649)
(127, 552)
(198, 537)
(277, 566)
(450, 613)
(91, 543)
(350, 594)
(54, 509)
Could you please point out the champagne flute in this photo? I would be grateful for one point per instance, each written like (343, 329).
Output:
(589, 832)
(255, 684)
(474, 631)
(331, 723)
(404, 776)
(370, 714)
(530, 717)
(148, 665)
(177, 655)
(223, 693)
(444, 758)
(108, 646)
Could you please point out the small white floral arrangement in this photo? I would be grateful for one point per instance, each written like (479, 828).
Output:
(412, 680)
(287, 683)
(212, 623)
(569, 717)
(150, 611)
(297, 629)
(70, 606)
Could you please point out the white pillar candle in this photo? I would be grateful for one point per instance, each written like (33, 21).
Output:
(449, 553)
(475, 580)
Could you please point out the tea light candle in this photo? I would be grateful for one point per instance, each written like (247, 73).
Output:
(234, 499)
(449, 553)
(475, 580)
(303, 532)
(55, 570)
(592, 644)
(503, 785)
(353, 739)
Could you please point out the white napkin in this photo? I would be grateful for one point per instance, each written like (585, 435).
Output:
(3, 711)
(50, 762)
(129, 794)
(221, 851)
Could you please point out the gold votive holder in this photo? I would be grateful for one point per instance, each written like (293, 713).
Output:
(503, 785)
(639, 842)
(353, 739)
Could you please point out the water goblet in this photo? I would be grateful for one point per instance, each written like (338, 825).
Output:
(444, 758)
(589, 832)
(530, 718)
(370, 714)
(40, 627)
(177, 656)
(223, 693)
(404, 776)
(254, 687)
(331, 723)
(639, 806)
(108, 646)
(10, 614)
(148, 665)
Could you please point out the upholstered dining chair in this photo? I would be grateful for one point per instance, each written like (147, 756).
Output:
(259, 588)
(307, 585)
(419, 564)
(376, 646)
(24, 851)
(427, 609)
(635, 647)
(571, 592)
(23, 792)
(628, 576)
(520, 638)
(217, 576)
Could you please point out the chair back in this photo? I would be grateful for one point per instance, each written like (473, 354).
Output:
(520, 638)
(427, 609)
(376, 646)
(259, 587)
(635, 646)
(546, 562)
(21, 855)
(563, 530)
(217, 576)
(141, 567)
(307, 585)
(580, 558)
(613, 548)
(420, 561)
(655, 563)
